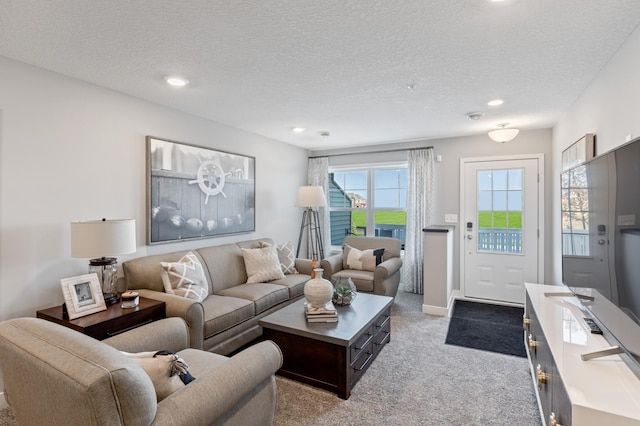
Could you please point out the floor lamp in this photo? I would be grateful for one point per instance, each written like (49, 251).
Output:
(311, 197)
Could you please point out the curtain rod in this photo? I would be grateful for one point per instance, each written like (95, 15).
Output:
(373, 152)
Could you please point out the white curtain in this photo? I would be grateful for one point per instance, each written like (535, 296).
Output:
(318, 175)
(419, 216)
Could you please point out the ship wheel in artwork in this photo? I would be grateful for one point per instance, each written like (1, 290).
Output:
(210, 179)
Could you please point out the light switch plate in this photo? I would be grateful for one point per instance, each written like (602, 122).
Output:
(451, 218)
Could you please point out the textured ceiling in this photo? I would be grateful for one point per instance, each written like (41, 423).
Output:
(331, 65)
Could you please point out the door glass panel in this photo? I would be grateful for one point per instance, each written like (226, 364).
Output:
(500, 195)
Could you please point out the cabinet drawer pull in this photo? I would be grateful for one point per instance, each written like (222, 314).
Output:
(552, 420)
(365, 363)
(532, 343)
(542, 376)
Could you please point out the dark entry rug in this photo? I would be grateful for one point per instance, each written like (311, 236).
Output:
(492, 328)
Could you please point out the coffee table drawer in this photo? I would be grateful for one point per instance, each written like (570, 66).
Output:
(360, 364)
(361, 343)
(381, 320)
(382, 336)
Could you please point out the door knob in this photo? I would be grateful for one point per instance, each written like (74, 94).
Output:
(469, 237)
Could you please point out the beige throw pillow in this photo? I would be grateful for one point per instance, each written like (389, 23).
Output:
(161, 371)
(185, 278)
(361, 260)
(262, 264)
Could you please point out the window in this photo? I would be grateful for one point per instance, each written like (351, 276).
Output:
(368, 201)
(575, 212)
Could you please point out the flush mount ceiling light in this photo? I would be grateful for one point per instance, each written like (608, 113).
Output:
(298, 129)
(495, 102)
(176, 81)
(503, 134)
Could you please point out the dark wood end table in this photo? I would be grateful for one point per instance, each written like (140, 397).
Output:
(108, 323)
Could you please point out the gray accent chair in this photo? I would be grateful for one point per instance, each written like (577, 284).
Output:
(56, 376)
(384, 280)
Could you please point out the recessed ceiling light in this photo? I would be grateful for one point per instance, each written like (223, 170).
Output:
(495, 102)
(298, 129)
(176, 81)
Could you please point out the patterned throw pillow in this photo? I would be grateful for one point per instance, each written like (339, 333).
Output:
(185, 278)
(286, 256)
(362, 260)
(167, 371)
(262, 264)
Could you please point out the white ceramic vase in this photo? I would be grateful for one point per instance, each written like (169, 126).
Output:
(318, 291)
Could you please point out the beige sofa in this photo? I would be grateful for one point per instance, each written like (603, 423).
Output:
(228, 318)
(56, 376)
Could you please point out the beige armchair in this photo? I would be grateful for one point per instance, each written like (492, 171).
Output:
(378, 277)
(56, 376)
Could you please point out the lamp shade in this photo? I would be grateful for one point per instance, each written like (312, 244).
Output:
(503, 135)
(99, 238)
(311, 196)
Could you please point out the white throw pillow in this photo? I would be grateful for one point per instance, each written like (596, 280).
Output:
(262, 264)
(361, 260)
(161, 370)
(185, 278)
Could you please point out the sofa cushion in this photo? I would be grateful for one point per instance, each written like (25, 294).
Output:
(223, 312)
(163, 370)
(295, 284)
(263, 295)
(225, 265)
(361, 260)
(262, 264)
(185, 278)
(363, 280)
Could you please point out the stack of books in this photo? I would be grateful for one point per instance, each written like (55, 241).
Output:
(327, 313)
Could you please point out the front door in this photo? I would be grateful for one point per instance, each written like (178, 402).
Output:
(502, 217)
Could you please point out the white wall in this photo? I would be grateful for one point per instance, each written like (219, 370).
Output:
(74, 151)
(609, 108)
(447, 172)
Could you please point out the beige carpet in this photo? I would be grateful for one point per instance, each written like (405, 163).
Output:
(416, 380)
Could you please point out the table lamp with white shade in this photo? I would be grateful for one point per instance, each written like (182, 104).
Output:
(98, 239)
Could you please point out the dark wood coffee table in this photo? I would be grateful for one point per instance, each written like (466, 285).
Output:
(331, 356)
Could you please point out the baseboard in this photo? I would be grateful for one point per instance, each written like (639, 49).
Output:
(441, 311)
(3, 401)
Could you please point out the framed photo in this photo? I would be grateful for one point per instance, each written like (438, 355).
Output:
(82, 295)
(580, 151)
(195, 192)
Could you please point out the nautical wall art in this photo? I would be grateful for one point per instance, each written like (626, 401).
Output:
(196, 192)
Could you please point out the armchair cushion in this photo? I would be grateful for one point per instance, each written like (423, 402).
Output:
(185, 278)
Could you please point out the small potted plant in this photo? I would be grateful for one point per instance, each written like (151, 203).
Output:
(344, 293)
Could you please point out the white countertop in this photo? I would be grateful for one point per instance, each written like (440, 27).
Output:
(603, 391)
